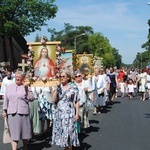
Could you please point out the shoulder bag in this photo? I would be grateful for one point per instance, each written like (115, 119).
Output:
(6, 133)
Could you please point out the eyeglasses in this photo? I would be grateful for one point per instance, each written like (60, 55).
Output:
(62, 76)
(78, 76)
(18, 77)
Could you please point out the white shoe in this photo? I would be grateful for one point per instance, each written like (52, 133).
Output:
(99, 113)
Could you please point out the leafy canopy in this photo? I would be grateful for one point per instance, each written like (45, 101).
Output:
(142, 59)
(147, 44)
(25, 16)
(90, 42)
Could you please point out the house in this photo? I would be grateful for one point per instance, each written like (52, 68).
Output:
(10, 57)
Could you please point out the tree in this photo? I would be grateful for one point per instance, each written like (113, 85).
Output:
(91, 43)
(37, 38)
(147, 44)
(21, 17)
(100, 46)
(117, 58)
(67, 35)
(142, 59)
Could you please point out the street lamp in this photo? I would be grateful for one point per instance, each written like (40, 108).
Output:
(75, 40)
(141, 60)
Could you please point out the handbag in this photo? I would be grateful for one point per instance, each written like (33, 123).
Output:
(89, 104)
(78, 126)
(6, 133)
(100, 90)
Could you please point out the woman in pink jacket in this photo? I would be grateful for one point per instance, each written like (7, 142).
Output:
(16, 108)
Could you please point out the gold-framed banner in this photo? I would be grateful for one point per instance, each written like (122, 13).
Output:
(85, 63)
(42, 83)
(98, 61)
(43, 61)
(67, 61)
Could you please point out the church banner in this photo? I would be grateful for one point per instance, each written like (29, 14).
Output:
(85, 63)
(98, 61)
(42, 62)
(67, 60)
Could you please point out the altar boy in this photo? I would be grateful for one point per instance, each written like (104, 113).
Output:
(9, 79)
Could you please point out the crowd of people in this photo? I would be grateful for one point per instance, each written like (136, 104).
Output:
(65, 107)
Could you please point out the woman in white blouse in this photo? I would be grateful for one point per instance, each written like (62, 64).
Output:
(98, 86)
(84, 90)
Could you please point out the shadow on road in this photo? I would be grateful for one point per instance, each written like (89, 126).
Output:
(147, 115)
(44, 142)
(83, 146)
(92, 129)
(93, 121)
(116, 102)
(106, 109)
(40, 145)
(39, 142)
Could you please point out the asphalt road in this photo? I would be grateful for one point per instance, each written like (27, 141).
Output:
(125, 125)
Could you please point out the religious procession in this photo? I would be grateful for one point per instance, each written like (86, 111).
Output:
(54, 95)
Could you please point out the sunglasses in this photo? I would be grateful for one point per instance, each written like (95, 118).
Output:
(62, 76)
(78, 76)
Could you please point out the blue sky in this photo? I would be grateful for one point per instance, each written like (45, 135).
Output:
(123, 22)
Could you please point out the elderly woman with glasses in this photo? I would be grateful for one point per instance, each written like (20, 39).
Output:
(16, 108)
(84, 90)
(67, 113)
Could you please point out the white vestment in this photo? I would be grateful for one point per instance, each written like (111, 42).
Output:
(6, 82)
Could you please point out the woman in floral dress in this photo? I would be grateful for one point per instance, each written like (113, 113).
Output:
(67, 113)
(46, 107)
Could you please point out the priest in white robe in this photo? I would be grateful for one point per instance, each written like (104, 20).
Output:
(9, 79)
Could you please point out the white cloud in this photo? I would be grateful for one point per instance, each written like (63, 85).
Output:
(119, 21)
(116, 16)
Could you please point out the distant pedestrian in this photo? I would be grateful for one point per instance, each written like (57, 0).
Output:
(122, 87)
(148, 82)
(131, 86)
(142, 81)
(113, 84)
(121, 74)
